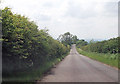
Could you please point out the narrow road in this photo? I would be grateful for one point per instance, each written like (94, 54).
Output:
(79, 68)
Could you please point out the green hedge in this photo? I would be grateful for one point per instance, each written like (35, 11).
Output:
(26, 48)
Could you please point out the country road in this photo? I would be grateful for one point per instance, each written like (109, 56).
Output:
(79, 68)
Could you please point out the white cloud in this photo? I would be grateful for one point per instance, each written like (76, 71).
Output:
(85, 18)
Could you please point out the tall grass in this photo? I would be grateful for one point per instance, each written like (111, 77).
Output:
(30, 77)
(110, 59)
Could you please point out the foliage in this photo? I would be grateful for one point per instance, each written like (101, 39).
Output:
(81, 43)
(107, 58)
(68, 39)
(107, 46)
(24, 46)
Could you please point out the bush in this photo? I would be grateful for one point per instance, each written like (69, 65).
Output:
(24, 46)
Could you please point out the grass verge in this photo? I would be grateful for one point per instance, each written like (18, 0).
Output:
(110, 59)
(30, 77)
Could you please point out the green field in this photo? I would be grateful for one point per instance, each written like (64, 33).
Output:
(110, 59)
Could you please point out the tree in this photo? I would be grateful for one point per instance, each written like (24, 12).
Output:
(74, 39)
(67, 38)
(81, 43)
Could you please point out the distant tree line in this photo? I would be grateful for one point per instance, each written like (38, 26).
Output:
(81, 43)
(107, 46)
(24, 47)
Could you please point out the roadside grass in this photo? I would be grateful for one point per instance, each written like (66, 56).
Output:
(110, 59)
(30, 77)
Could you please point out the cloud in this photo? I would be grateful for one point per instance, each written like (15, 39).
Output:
(87, 19)
(111, 9)
(92, 9)
(81, 10)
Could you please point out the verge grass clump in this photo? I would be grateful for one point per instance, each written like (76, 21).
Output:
(107, 58)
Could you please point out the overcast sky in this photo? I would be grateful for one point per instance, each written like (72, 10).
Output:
(88, 19)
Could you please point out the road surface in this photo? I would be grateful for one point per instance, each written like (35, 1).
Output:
(79, 68)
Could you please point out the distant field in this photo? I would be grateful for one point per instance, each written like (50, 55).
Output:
(110, 59)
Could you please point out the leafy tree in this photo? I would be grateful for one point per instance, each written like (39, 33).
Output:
(67, 38)
(81, 43)
(74, 39)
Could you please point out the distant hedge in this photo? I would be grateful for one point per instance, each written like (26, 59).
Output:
(107, 46)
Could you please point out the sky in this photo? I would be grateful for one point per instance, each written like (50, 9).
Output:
(88, 19)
